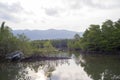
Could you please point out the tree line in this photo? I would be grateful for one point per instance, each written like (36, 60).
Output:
(10, 43)
(104, 38)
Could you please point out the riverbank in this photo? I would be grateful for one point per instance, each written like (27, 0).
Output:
(97, 52)
(102, 52)
(35, 58)
(42, 58)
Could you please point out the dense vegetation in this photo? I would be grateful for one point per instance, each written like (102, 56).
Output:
(103, 38)
(46, 47)
(42, 47)
(10, 43)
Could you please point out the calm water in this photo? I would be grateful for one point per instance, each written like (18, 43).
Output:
(80, 67)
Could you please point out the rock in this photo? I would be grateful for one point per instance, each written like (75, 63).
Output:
(17, 55)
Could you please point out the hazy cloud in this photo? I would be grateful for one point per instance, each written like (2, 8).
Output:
(8, 17)
(51, 11)
(10, 12)
(74, 4)
(105, 4)
(102, 4)
(58, 14)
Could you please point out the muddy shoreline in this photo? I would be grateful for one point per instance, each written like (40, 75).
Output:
(42, 58)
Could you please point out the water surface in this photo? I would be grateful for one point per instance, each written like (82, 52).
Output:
(79, 67)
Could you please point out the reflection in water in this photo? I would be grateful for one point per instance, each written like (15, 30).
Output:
(80, 67)
(39, 70)
(102, 67)
(71, 72)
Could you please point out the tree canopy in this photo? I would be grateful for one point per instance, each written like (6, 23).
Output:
(105, 37)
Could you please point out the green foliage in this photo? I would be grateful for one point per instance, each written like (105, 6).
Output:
(60, 44)
(42, 47)
(76, 37)
(74, 43)
(99, 38)
(5, 37)
(91, 38)
(24, 44)
(10, 43)
(48, 44)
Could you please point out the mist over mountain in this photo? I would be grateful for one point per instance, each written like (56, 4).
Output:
(47, 34)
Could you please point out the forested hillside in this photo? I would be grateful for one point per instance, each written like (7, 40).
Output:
(47, 34)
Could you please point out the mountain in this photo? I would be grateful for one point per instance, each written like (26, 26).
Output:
(47, 34)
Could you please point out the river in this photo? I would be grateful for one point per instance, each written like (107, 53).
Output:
(79, 67)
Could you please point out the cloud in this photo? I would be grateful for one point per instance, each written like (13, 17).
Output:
(10, 12)
(8, 17)
(74, 4)
(58, 14)
(51, 11)
(101, 4)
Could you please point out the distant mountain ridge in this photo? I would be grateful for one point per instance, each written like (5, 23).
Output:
(47, 34)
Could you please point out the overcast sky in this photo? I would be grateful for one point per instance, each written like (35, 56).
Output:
(75, 15)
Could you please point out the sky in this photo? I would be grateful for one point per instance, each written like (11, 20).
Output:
(74, 15)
